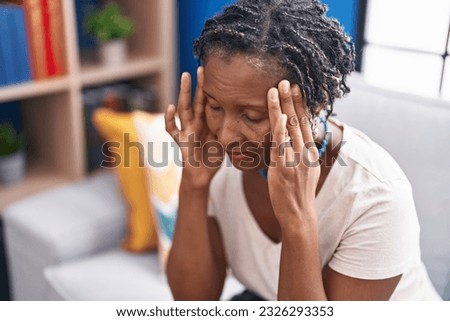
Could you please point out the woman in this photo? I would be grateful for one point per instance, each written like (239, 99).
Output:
(310, 209)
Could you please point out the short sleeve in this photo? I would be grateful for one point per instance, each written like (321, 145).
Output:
(380, 242)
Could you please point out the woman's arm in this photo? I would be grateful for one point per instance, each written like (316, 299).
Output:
(301, 277)
(196, 266)
(292, 191)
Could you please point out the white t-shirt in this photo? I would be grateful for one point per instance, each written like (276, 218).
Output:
(367, 220)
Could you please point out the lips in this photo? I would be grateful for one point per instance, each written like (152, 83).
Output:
(238, 155)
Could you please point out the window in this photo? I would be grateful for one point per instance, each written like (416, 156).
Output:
(406, 46)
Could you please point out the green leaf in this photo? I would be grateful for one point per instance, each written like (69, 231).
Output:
(109, 24)
(10, 140)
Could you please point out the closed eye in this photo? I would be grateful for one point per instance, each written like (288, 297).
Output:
(214, 108)
(252, 119)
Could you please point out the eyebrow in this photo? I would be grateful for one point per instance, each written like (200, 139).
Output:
(240, 105)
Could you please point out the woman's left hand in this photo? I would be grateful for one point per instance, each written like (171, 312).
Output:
(294, 171)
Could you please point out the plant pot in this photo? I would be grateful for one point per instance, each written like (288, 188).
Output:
(12, 167)
(114, 52)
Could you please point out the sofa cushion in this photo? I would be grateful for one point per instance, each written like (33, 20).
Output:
(416, 132)
(114, 126)
(116, 276)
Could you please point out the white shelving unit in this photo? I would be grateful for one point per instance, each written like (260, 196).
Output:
(53, 110)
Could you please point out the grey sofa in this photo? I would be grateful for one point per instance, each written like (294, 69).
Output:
(63, 244)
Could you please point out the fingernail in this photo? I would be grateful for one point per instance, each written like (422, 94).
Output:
(285, 86)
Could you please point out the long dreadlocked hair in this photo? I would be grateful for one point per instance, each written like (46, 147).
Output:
(312, 49)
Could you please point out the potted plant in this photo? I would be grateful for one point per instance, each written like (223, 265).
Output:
(111, 29)
(12, 154)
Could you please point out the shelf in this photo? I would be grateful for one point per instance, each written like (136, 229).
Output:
(37, 179)
(93, 74)
(33, 89)
(53, 111)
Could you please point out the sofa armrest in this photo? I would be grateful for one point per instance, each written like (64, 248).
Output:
(60, 225)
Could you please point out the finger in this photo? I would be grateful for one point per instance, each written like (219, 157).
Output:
(311, 149)
(284, 151)
(171, 126)
(287, 106)
(301, 109)
(305, 128)
(276, 124)
(199, 99)
(299, 101)
(184, 99)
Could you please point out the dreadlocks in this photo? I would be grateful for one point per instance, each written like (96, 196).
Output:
(312, 49)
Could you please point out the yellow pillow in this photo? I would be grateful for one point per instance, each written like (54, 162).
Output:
(112, 125)
(162, 160)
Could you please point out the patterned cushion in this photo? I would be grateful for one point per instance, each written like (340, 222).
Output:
(163, 173)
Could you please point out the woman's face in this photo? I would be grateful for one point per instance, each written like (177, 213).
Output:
(236, 109)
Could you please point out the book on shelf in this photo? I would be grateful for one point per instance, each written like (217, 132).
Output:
(44, 23)
(3, 79)
(57, 36)
(20, 48)
(14, 53)
(83, 8)
(48, 44)
(35, 31)
(20, 2)
(6, 43)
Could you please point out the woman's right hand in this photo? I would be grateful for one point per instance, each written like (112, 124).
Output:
(194, 137)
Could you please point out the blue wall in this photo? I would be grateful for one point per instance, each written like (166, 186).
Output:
(191, 17)
(346, 11)
(193, 14)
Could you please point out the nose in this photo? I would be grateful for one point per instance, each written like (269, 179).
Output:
(230, 133)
